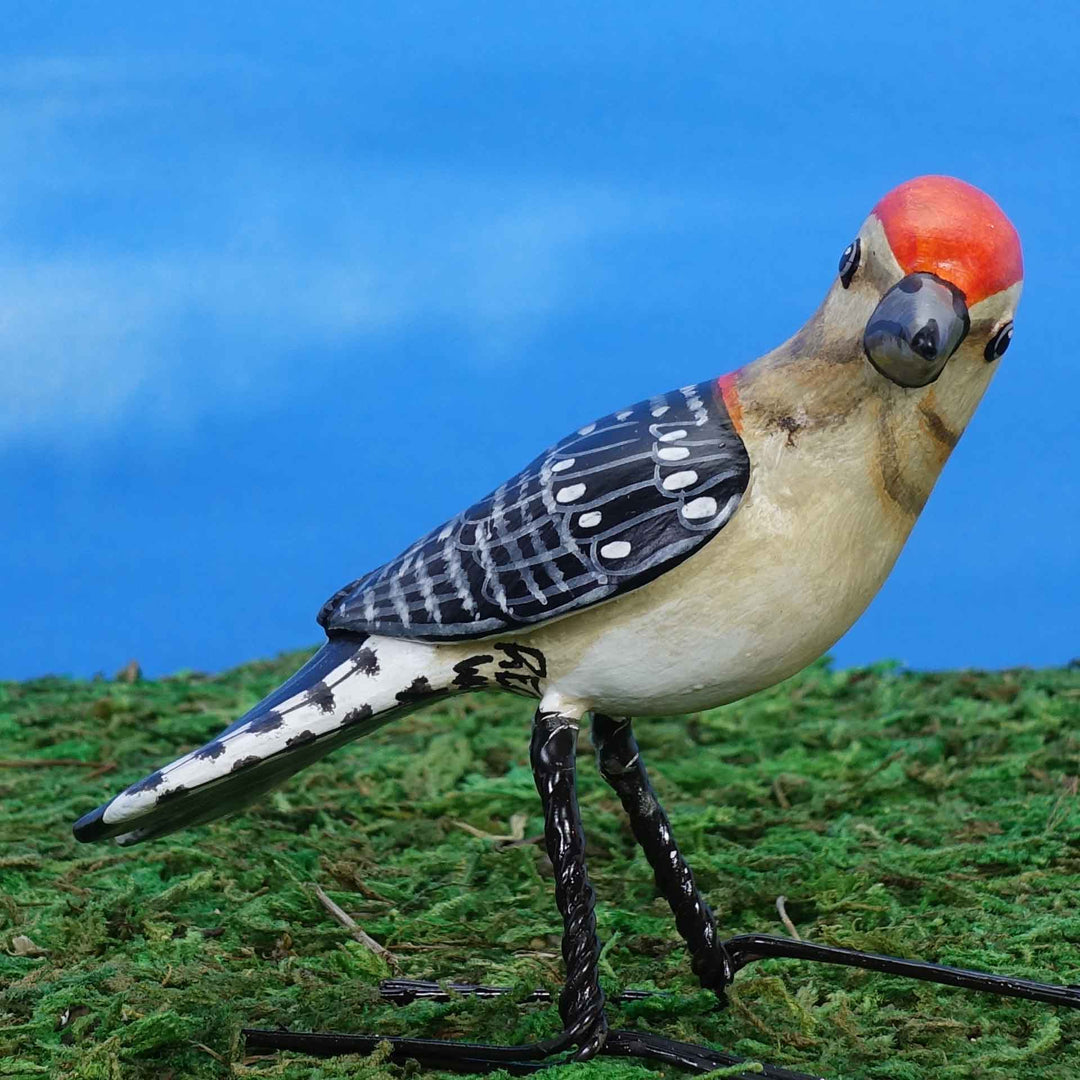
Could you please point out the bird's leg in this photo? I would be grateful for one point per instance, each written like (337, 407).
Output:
(620, 763)
(553, 756)
(716, 961)
(581, 1004)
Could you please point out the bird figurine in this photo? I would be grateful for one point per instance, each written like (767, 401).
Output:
(675, 555)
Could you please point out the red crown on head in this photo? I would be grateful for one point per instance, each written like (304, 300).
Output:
(940, 225)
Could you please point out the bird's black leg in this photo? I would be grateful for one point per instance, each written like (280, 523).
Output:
(621, 766)
(716, 961)
(581, 1004)
(553, 756)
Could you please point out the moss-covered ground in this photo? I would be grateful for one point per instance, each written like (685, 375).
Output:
(924, 815)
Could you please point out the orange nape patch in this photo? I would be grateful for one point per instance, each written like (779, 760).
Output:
(940, 225)
(725, 387)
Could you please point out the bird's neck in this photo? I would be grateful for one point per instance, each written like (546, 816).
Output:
(816, 396)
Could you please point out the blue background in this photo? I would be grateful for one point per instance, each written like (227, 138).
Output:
(281, 287)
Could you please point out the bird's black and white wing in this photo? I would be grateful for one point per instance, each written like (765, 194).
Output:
(602, 512)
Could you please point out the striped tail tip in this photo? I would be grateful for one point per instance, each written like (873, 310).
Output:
(342, 693)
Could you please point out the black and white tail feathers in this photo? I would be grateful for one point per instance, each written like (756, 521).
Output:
(351, 686)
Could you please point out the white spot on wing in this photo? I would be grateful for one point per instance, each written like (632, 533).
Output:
(566, 463)
(617, 549)
(589, 520)
(588, 429)
(625, 414)
(698, 509)
(696, 406)
(673, 436)
(673, 453)
(678, 481)
(570, 493)
(659, 411)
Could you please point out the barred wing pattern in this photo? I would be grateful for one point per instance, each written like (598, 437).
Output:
(602, 512)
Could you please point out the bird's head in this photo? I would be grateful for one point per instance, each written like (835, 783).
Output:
(931, 282)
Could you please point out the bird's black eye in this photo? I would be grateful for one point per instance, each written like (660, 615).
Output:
(849, 262)
(996, 346)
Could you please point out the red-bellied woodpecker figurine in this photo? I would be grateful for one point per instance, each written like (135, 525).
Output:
(672, 556)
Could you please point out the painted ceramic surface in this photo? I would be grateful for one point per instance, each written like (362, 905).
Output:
(677, 554)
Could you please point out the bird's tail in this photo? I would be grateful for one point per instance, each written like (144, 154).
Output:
(351, 686)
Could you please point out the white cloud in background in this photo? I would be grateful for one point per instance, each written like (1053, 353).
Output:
(282, 254)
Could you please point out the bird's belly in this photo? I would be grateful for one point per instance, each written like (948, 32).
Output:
(782, 582)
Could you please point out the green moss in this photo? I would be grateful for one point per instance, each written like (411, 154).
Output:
(925, 815)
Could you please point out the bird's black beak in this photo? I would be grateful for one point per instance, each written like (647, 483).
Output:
(918, 325)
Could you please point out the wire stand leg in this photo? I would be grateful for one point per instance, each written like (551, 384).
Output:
(553, 756)
(581, 1004)
(715, 961)
(620, 763)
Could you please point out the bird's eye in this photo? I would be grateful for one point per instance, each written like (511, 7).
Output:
(996, 346)
(849, 262)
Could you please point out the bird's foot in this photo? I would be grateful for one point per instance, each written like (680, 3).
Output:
(715, 970)
(584, 1035)
(468, 1057)
(747, 948)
